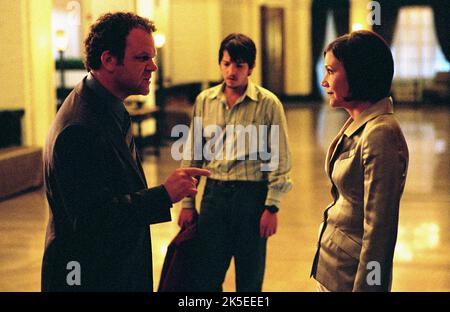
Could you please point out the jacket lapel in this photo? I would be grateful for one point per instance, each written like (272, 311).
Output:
(334, 145)
(116, 138)
(384, 106)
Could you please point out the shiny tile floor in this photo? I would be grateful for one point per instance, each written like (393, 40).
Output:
(422, 258)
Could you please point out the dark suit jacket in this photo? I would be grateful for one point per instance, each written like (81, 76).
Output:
(367, 163)
(100, 207)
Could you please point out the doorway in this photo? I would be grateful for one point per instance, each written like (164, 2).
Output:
(272, 44)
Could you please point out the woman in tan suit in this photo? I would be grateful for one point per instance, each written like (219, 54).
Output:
(367, 164)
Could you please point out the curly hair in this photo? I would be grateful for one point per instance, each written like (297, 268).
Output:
(109, 33)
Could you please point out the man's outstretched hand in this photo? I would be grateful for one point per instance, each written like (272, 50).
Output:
(181, 183)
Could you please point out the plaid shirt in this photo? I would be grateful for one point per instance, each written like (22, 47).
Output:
(256, 112)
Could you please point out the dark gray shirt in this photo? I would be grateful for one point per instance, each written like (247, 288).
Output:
(117, 108)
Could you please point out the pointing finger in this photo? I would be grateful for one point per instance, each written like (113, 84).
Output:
(196, 172)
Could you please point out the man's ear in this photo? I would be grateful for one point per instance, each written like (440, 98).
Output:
(109, 61)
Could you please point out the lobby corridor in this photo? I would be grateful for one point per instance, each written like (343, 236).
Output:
(422, 256)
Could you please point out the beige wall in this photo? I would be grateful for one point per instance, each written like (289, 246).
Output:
(195, 29)
(40, 105)
(27, 66)
(193, 36)
(298, 51)
(242, 16)
(359, 13)
(92, 9)
(12, 56)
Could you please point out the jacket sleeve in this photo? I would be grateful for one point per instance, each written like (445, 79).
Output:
(280, 163)
(81, 177)
(385, 161)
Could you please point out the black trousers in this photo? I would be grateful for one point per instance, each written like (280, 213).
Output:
(228, 226)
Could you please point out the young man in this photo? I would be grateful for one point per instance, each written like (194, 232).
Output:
(242, 195)
(98, 236)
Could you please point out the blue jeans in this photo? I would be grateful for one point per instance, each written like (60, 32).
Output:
(228, 226)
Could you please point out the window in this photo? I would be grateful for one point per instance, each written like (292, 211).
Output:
(416, 50)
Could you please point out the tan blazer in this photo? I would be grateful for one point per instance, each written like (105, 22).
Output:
(367, 164)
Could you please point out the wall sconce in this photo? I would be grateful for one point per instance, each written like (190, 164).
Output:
(61, 42)
(357, 26)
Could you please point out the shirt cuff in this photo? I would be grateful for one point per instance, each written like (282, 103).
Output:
(165, 195)
(188, 203)
(154, 204)
(273, 198)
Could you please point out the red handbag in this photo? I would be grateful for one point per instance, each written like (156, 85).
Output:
(178, 272)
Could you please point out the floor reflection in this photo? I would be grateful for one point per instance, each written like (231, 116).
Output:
(422, 258)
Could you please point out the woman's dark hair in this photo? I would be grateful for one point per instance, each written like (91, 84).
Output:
(109, 33)
(240, 47)
(368, 64)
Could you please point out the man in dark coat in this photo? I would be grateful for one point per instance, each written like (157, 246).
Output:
(98, 236)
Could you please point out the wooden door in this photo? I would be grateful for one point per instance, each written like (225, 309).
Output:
(272, 49)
